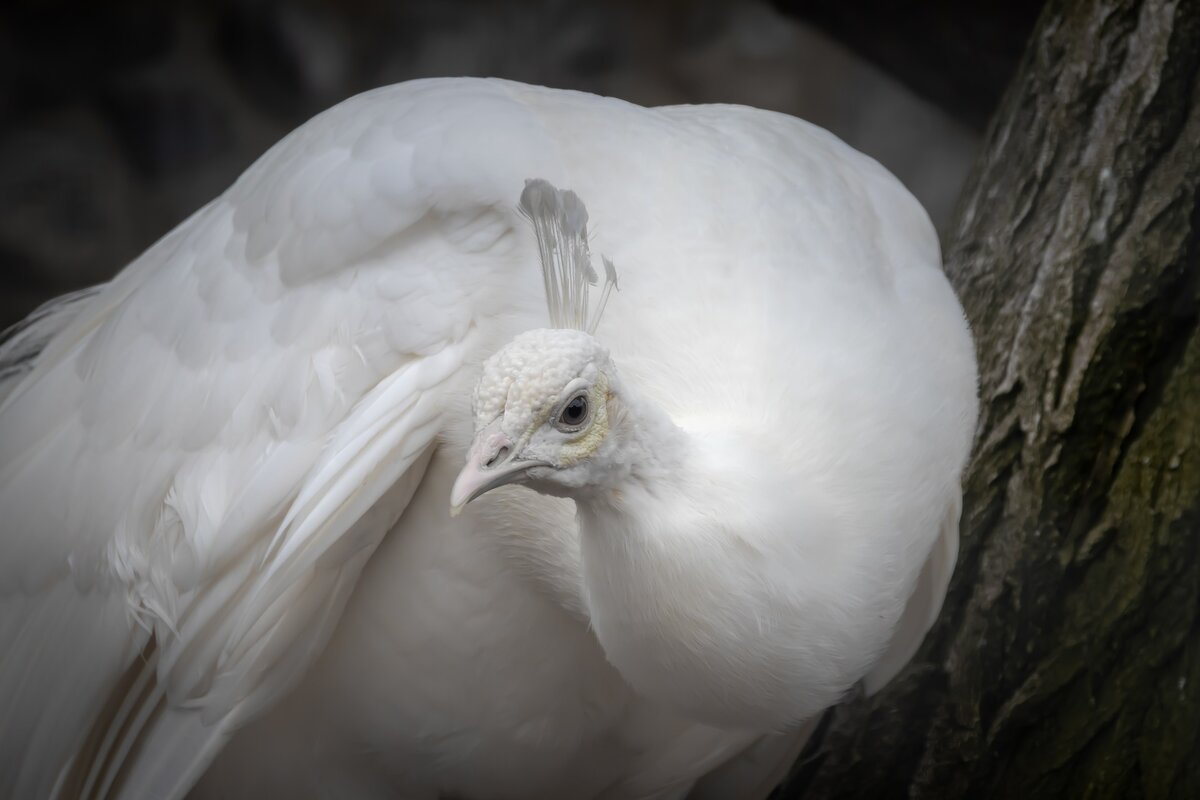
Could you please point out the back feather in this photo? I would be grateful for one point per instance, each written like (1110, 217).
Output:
(924, 604)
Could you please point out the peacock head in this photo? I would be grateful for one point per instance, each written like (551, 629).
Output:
(542, 406)
(541, 412)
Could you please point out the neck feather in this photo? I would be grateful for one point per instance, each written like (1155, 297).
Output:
(693, 581)
(645, 451)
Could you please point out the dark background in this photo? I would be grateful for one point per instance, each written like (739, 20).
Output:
(118, 119)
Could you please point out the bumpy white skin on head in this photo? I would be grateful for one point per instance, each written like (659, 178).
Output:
(523, 379)
(525, 385)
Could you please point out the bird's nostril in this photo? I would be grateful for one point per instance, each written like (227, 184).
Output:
(496, 459)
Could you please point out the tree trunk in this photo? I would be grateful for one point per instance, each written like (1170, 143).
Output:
(1067, 659)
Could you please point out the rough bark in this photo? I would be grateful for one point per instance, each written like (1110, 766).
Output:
(1067, 659)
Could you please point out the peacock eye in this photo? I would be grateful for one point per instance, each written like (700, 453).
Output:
(574, 413)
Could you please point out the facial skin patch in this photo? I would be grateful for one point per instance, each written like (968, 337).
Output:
(595, 433)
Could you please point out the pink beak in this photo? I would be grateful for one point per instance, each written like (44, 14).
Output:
(491, 462)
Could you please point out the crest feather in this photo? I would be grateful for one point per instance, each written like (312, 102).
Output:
(560, 223)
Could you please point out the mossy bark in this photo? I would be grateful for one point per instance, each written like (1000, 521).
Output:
(1066, 662)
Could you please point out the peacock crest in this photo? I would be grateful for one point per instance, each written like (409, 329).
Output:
(559, 220)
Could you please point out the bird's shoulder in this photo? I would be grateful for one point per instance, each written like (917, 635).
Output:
(207, 447)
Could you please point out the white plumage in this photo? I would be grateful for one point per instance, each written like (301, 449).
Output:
(227, 555)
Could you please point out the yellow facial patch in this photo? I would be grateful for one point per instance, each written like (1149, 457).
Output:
(591, 437)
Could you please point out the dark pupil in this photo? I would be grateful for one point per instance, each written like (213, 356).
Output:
(575, 411)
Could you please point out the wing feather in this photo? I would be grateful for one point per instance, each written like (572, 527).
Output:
(20, 344)
(204, 452)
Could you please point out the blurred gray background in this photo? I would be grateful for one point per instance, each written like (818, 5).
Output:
(117, 120)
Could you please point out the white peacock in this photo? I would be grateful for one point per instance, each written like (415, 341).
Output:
(226, 563)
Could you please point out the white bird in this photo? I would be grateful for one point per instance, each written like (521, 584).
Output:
(227, 563)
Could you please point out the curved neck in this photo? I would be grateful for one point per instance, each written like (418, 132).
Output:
(693, 580)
